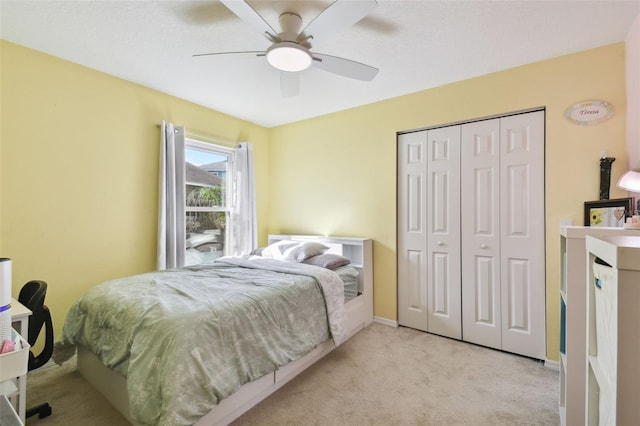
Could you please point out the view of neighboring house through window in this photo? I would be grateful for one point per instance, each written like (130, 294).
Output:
(206, 199)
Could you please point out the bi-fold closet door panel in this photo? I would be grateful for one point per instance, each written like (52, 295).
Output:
(443, 232)
(523, 234)
(480, 166)
(412, 230)
(503, 234)
(429, 231)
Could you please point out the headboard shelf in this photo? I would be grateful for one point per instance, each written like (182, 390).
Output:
(358, 250)
(351, 247)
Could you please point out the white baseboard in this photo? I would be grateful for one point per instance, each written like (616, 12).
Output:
(551, 364)
(385, 321)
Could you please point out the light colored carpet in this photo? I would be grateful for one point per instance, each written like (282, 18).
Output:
(381, 376)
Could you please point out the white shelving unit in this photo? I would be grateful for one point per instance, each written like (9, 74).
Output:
(13, 367)
(20, 319)
(573, 318)
(613, 339)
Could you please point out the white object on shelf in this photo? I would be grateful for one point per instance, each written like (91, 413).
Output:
(566, 222)
(5, 299)
(5, 324)
(5, 281)
(613, 341)
(605, 294)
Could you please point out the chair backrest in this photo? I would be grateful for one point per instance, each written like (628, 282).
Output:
(32, 296)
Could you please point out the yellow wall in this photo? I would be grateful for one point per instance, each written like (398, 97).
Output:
(337, 174)
(78, 165)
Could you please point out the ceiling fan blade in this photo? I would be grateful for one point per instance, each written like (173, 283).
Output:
(289, 84)
(345, 67)
(255, 52)
(246, 13)
(338, 16)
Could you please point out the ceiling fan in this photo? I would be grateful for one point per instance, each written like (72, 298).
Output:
(290, 50)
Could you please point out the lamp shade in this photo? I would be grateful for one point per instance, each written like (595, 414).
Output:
(630, 181)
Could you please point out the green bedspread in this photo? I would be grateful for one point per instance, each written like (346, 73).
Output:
(187, 338)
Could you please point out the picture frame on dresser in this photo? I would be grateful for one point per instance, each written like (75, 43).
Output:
(608, 213)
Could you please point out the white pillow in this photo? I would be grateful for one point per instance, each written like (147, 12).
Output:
(293, 251)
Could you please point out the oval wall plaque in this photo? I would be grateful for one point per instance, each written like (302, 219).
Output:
(589, 112)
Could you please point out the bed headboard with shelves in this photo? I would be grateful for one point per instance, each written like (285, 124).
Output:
(359, 251)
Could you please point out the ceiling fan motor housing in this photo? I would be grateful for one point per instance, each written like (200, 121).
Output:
(291, 25)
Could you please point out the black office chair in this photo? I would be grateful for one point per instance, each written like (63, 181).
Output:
(32, 296)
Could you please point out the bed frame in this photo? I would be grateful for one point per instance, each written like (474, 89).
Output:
(359, 313)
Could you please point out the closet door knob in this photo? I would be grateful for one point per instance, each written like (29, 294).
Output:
(439, 243)
(483, 246)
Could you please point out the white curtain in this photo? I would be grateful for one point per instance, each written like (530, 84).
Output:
(244, 232)
(171, 229)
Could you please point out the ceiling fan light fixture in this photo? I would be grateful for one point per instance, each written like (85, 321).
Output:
(289, 56)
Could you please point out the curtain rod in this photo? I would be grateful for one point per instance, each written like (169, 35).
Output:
(204, 138)
(212, 139)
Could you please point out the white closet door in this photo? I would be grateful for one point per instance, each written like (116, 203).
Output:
(412, 230)
(443, 232)
(480, 180)
(522, 233)
(471, 232)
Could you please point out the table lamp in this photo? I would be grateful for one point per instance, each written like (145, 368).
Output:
(630, 181)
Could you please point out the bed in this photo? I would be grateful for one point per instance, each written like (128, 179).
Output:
(194, 391)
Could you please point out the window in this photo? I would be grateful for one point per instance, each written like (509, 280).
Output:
(207, 212)
(206, 200)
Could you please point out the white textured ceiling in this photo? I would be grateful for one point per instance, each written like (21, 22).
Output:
(416, 45)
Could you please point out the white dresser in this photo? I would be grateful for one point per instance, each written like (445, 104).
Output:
(573, 318)
(613, 331)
